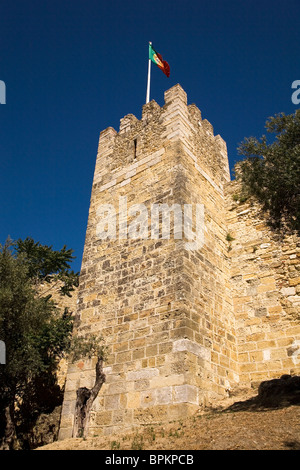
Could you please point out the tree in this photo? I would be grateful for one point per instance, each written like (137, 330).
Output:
(35, 332)
(87, 347)
(271, 170)
(48, 265)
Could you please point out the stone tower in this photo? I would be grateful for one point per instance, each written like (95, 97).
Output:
(162, 300)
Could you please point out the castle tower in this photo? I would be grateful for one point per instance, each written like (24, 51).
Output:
(155, 273)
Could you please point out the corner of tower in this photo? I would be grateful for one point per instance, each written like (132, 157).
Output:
(106, 139)
(176, 93)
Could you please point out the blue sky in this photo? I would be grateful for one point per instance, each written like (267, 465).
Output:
(73, 68)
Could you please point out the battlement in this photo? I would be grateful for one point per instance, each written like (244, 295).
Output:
(174, 122)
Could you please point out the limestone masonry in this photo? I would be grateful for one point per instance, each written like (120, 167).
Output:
(184, 327)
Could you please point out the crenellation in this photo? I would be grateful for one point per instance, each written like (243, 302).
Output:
(151, 111)
(128, 123)
(107, 138)
(174, 95)
(195, 115)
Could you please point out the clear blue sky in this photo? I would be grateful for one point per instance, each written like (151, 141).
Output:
(75, 67)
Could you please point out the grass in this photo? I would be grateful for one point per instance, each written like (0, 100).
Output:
(137, 443)
(115, 445)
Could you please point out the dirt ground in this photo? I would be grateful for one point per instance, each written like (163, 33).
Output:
(275, 429)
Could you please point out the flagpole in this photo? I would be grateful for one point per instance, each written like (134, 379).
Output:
(148, 82)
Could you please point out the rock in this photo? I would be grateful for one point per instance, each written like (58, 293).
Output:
(275, 393)
(45, 430)
(279, 392)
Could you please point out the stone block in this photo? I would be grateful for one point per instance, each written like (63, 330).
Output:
(142, 374)
(186, 394)
(287, 291)
(104, 418)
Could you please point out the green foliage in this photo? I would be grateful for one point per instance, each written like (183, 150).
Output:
(24, 321)
(115, 445)
(48, 265)
(176, 433)
(35, 332)
(229, 237)
(137, 443)
(239, 198)
(87, 347)
(271, 170)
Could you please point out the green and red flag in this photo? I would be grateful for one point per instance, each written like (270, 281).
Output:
(158, 60)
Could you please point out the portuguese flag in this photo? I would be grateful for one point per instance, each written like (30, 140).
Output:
(158, 60)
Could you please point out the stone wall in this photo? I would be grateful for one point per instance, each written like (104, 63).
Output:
(184, 326)
(265, 286)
